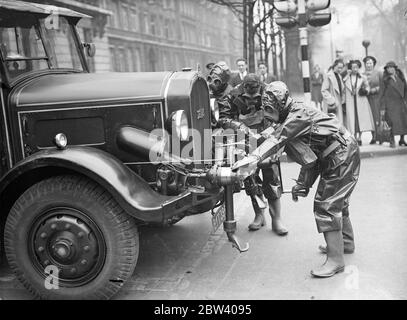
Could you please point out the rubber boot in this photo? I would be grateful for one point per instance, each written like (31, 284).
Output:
(334, 258)
(373, 141)
(348, 238)
(259, 218)
(276, 223)
(347, 234)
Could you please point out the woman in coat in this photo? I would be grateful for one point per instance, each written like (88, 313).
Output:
(374, 77)
(332, 91)
(316, 84)
(393, 99)
(358, 114)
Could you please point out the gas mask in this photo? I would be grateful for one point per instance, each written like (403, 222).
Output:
(218, 78)
(276, 101)
(215, 84)
(251, 89)
(269, 109)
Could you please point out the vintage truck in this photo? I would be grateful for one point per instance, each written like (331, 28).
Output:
(86, 158)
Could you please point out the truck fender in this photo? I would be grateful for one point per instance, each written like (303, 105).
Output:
(131, 191)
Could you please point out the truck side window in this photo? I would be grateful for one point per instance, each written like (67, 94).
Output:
(20, 46)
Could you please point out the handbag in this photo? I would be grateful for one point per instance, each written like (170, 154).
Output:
(363, 92)
(384, 130)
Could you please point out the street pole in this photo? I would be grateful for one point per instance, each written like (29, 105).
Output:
(304, 51)
(366, 44)
(251, 35)
(245, 29)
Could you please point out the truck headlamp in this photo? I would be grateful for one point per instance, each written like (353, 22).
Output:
(61, 141)
(214, 109)
(179, 124)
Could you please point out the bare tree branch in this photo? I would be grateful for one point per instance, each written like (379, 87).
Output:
(384, 16)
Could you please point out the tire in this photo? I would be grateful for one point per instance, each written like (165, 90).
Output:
(71, 223)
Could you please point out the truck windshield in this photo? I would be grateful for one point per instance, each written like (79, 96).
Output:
(37, 46)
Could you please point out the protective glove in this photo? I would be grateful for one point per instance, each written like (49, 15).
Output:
(299, 191)
(247, 131)
(246, 166)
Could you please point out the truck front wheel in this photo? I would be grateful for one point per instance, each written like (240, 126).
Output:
(67, 238)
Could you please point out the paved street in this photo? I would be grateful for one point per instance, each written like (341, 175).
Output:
(186, 261)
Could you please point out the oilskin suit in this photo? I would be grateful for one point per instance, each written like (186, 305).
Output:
(238, 110)
(323, 147)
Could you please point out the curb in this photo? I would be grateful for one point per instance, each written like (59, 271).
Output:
(383, 153)
(365, 154)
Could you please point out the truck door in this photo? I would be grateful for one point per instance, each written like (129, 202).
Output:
(3, 142)
(2, 153)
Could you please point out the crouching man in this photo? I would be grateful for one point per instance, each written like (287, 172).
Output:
(241, 110)
(324, 148)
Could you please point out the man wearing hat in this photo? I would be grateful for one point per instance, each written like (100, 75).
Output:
(244, 105)
(394, 100)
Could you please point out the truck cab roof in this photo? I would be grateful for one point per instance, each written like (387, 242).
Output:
(36, 8)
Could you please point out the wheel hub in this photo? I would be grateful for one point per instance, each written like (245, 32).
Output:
(62, 249)
(70, 241)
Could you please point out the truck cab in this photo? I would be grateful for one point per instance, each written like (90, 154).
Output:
(86, 158)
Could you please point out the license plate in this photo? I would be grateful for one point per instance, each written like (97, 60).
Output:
(218, 217)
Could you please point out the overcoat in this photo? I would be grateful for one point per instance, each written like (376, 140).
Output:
(267, 78)
(357, 109)
(394, 97)
(374, 78)
(235, 79)
(316, 85)
(332, 95)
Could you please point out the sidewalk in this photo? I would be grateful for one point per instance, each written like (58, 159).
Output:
(370, 151)
(366, 150)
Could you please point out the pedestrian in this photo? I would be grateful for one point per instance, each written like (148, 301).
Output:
(237, 78)
(359, 116)
(393, 99)
(317, 78)
(374, 77)
(332, 90)
(324, 148)
(265, 76)
(243, 110)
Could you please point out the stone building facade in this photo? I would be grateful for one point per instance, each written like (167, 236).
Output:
(154, 35)
(157, 35)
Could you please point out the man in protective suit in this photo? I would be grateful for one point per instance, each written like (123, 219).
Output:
(324, 148)
(241, 109)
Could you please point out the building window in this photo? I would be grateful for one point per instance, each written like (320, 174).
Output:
(152, 60)
(88, 38)
(167, 29)
(122, 61)
(113, 60)
(153, 27)
(146, 23)
(117, 18)
(137, 60)
(134, 20)
(111, 21)
(130, 60)
(124, 17)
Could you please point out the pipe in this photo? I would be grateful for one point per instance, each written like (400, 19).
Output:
(151, 147)
(230, 223)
